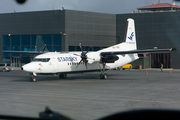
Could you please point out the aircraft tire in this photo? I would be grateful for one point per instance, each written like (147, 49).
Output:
(3, 70)
(105, 76)
(63, 76)
(32, 79)
(101, 76)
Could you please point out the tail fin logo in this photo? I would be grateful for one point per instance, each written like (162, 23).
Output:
(131, 37)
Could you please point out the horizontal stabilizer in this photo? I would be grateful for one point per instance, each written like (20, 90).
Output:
(24, 52)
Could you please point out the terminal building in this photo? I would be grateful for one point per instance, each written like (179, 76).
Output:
(63, 30)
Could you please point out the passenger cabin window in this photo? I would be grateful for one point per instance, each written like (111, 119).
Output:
(41, 59)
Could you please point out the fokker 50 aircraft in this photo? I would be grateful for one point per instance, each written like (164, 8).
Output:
(78, 62)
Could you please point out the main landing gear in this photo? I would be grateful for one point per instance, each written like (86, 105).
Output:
(62, 75)
(103, 75)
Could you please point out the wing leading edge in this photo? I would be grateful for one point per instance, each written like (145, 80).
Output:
(134, 51)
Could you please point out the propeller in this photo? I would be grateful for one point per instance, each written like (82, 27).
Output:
(83, 56)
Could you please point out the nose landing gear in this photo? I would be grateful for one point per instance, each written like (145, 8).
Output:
(32, 79)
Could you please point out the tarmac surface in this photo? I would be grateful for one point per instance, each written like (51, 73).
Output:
(85, 96)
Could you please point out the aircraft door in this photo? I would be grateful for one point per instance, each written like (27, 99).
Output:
(55, 65)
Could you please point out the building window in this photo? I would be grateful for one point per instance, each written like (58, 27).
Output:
(33, 40)
(25, 48)
(28, 43)
(48, 48)
(72, 48)
(15, 40)
(56, 39)
(57, 48)
(47, 39)
(6, 40)
(25, 60)
(97, 48)
(87, 47)
(25, 39)
(15, 48)
(6, 59)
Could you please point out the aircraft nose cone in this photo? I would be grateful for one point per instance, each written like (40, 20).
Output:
(30, 67)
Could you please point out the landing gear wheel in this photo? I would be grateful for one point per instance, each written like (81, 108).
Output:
(103, 76)
(32, 79)
(62, 75)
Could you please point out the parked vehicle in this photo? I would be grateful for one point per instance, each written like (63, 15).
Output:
(127, 66)
(5, 67)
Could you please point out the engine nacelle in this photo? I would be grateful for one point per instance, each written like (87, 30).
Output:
(109, 59)
(93, 57)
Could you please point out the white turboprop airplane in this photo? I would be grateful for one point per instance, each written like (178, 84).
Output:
(78, 62)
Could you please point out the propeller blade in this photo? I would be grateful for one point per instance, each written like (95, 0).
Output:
(80, 47)
(88, 49)
(86, 64)
(37, 49)
(76, 54)
(44, 48)
(79, 63)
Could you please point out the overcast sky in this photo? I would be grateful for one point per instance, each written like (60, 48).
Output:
(102, 6)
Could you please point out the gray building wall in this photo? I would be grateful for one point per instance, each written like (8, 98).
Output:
(90, 29)
(154, 30)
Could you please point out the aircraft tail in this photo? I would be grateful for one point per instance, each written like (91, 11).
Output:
(130, 39)
(131, 35)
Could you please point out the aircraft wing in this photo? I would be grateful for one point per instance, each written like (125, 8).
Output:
(110, 53)
(24, 52)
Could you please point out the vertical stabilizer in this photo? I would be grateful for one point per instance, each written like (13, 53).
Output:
(131, 35)
(130, 39)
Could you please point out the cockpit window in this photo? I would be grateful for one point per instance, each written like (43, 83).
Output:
(41, 59)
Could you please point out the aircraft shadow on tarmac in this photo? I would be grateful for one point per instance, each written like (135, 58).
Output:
(74, 77)
(20, 76)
